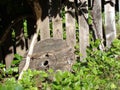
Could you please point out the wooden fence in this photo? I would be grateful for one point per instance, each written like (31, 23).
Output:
(62, 19)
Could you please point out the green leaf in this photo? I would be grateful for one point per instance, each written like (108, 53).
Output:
(13, 33)
(43, 74)
(18, 57)
(97, 42)
(25, 28)
(113, 86)
(67, 88)
(18, 87)
(94, 70)
(50, 70)
(2, 65)
(65, 74)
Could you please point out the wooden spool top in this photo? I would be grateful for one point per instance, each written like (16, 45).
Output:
(51, 53)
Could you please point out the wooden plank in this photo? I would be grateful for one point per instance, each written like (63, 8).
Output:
(70, 24)
(18, 40)
(44, 26)
(20, 43)
(57, 27)
(8, 50)
(110, 28)
(56, 19)
(97, 21)
(83, 28)
(119, 9)
(1, 57)
(44, 29)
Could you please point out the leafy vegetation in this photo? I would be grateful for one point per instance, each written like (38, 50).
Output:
(99, 71)
(10, 72)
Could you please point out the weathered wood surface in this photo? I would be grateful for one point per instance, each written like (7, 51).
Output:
(44, 25)
(1, 56)
(70, 23)
(119, 9)
(51, 53)
(56, 19)
(8, 51)
(97, 21)
(57, 27)
(83, 28)
(110, 28)
(19, 43)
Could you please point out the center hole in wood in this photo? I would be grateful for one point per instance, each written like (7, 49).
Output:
(46, 63)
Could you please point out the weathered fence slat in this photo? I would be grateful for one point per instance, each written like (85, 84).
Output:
(119, 9)
(1, 57)
(57, 28)
(56, 19)
(8, 51)
(110, 28)
(44, 26)
(44, 29)
(20, 46)
(70, 24)
(83, 28)
(97, 21)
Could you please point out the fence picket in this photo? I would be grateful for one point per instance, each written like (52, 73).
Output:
(119, 9)
(8, 51)
(56, 19)
(97, 21)
(44, 26)
(44, 29)
(83, 28)
(70, 24)
(110, 28)
(1, 55)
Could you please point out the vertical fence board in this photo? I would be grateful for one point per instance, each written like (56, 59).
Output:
(56, 19)
(70, 24)
(97, 21)
(44, 26)
(57, 27)
(20, 43)
(44, 29)
(119, 9)
(83, 28)
(8, 51)
(1, 58)
(110, 28)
